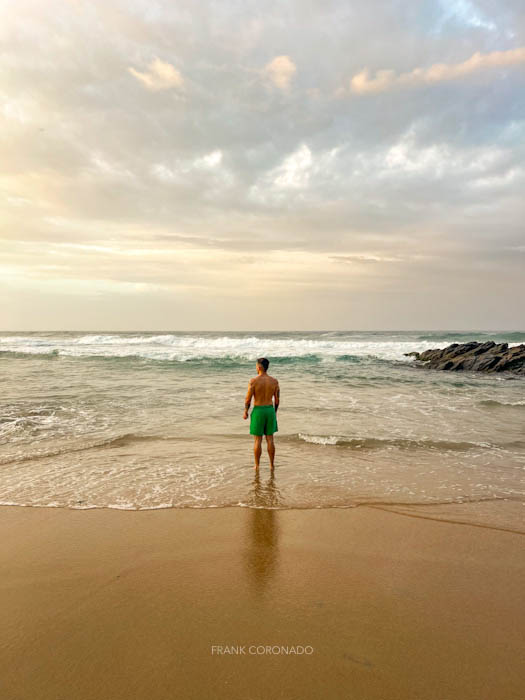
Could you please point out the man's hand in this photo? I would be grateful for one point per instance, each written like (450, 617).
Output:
(248, 399)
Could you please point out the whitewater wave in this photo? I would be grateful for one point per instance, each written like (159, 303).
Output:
(195, 347)
(203, 347)
(107, 442)
(199, 360)
(492, 403)
(232, 503)
(370, 443)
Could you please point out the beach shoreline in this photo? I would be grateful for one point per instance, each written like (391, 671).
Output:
(135, 604)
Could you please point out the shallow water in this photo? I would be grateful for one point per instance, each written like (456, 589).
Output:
(153, 420)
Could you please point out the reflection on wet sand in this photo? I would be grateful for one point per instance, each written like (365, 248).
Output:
(261, 552)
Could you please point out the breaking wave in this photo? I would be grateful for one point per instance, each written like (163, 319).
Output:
(226, 348)
(108, 442)
(492, 403)
(370, 443)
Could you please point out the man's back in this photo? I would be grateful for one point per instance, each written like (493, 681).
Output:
(263, 421)
(264, 389)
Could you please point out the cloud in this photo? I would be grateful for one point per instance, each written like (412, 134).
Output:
(281, 71)
(260, 162)
(295, 170)
(300, 172)
(210, 160)
(387, 79)
(364, 258)
(466, 13)
(160, 76)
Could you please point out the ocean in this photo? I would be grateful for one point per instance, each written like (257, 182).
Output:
(145, 420)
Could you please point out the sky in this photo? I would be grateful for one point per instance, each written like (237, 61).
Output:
(290, 165)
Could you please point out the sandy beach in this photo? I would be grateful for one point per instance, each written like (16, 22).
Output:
(205, 603)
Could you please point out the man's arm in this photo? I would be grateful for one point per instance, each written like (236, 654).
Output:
(277, 396)
(248, 399)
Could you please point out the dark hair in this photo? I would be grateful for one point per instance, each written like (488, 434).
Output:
(263, 362)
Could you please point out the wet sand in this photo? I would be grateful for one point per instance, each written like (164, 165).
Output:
(106, 604)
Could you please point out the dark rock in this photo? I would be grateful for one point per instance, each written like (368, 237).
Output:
(482, 364)
(484, 347)
(474, 356)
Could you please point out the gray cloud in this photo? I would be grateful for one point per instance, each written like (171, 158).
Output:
(231, 132)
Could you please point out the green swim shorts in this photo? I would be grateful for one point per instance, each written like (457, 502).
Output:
(263, 420)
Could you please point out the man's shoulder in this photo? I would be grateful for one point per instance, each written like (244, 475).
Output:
(273, 379)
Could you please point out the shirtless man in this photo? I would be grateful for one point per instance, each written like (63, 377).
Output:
(263, 420)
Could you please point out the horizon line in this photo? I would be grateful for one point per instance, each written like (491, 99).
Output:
(268, 330)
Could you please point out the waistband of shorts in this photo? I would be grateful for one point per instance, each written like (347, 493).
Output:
(264, 405)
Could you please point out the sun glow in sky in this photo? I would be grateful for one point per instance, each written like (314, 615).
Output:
(283, 165)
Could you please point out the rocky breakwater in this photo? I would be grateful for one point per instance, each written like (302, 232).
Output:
(474, 356)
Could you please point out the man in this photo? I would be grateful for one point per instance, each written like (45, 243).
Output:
(263, 420)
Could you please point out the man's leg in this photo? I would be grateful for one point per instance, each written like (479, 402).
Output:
(257, 449)
(271, 449)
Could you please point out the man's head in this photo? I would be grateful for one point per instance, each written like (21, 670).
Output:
(263, 363)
